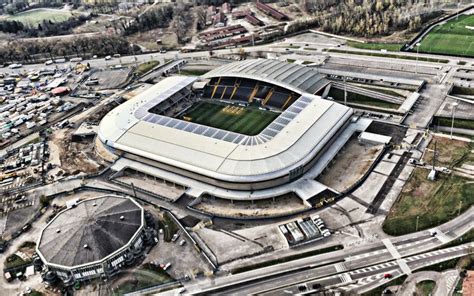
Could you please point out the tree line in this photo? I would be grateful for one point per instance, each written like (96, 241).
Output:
(370, 18)
(159, 17)
(45, 28)
(12, 7)
(33, 51)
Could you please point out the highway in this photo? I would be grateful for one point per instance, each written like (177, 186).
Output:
(398, 255)
(277, 47)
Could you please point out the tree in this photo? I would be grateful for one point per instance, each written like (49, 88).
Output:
(201, 17)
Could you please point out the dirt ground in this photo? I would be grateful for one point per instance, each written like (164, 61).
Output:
(448, 151)
(73, 157)
(282, 205)
(349, 165)
(148, 39)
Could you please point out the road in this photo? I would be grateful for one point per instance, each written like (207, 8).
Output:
(432, 96)
(385, 255)
(365, 279)
(277, 47)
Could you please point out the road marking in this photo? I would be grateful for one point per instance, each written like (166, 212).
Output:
(340, 267)
(441, 235)
(345, 278)
(403, 265)
(391, 248)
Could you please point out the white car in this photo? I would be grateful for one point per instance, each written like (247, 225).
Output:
(49, 62)
(182, 242)
(108, 58)
(175, 237)
(15, 66)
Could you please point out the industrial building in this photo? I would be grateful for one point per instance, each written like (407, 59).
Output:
(95, 238)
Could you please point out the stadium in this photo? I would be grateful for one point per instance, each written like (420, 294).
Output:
(252, 129)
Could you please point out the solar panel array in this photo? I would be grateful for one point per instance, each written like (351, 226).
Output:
(267, 134)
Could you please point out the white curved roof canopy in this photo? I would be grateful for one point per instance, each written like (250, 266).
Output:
(294, 145)
(294, 77)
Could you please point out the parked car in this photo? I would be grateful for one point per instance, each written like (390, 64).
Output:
(175, 237)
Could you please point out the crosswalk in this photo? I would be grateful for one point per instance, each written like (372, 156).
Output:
(340, 267)
(345, 278)
(441, 236)
(374, 268)
(451, 281)
(391, 248)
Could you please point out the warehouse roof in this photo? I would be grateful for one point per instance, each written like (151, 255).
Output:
(91, 231)
(297, 78)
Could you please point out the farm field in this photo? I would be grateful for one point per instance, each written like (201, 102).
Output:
(456, 37)
(245, 120)
(36, 16)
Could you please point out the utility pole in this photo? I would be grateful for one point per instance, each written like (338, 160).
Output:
(345, 91)
(133, 189)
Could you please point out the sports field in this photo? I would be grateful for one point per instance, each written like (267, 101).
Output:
(455, 37)
(34, 17)
(244, 120)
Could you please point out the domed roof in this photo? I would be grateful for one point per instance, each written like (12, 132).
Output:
(91, 231)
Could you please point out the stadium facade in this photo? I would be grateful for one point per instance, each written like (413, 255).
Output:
(150, 130)
(96, 238)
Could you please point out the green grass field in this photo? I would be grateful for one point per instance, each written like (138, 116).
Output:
(433, 202)
(245, 120)
(451, 38)
(36, 16)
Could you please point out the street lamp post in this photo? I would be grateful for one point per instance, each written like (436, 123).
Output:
(416, 65)
(452, 119)
(417, 219)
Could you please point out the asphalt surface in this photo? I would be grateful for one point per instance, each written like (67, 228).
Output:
(364, 266)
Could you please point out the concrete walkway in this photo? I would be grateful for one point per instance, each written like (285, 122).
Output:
(445, 282)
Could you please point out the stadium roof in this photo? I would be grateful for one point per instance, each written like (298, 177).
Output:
(215, 153)
(297, 78)
(91, 231)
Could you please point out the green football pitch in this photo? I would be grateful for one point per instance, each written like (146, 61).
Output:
(456, 37)
(244, 120)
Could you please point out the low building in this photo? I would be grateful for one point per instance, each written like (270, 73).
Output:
(95, 238)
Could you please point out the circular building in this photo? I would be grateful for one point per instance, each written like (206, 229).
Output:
(96, 238)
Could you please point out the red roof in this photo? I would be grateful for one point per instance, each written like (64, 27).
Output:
(60, 91)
